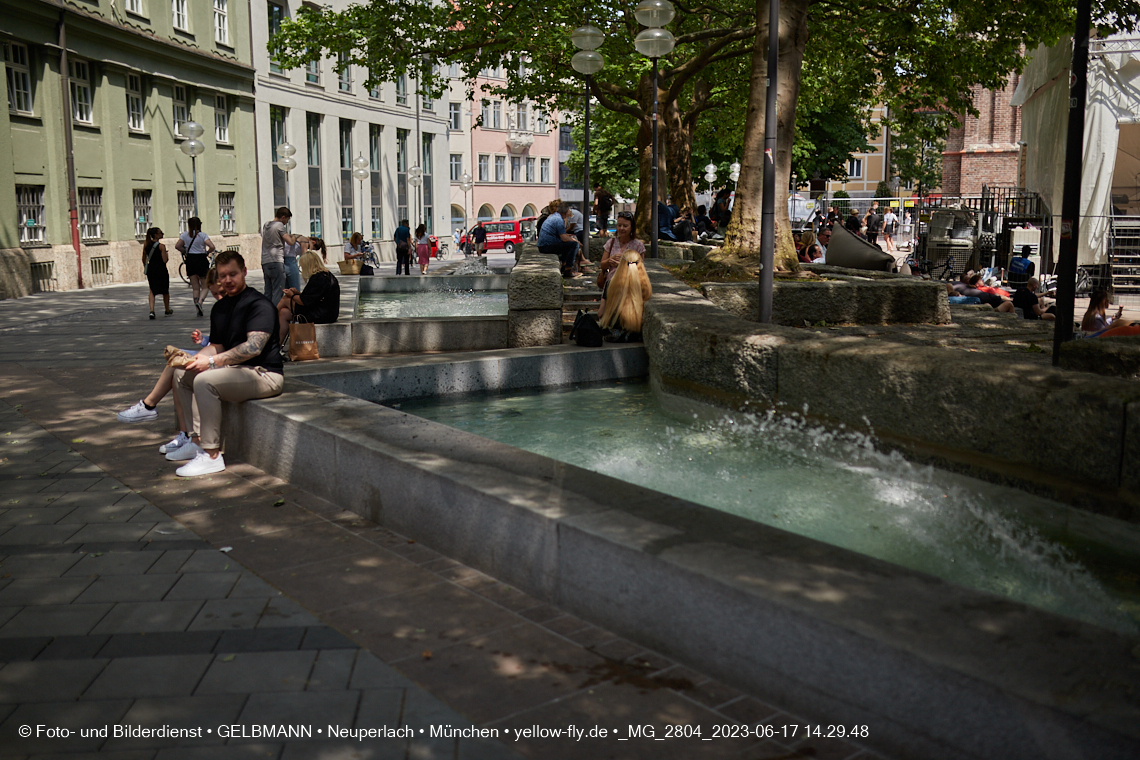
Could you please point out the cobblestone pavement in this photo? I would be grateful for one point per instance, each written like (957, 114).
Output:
(118, 607)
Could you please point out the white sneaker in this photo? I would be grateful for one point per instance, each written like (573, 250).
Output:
(184, 453)
(203, 464)
(138, 413)
(179, 440)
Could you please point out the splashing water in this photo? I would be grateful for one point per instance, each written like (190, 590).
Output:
(832, 486)
(432, 303)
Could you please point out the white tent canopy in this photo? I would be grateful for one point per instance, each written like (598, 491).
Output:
(1112, 115)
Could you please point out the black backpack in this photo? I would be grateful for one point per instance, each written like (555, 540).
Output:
(586, 330)
(538, 225)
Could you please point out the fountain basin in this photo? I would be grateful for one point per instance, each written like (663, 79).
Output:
(937, 670)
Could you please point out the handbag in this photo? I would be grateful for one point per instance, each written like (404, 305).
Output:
(302, 340)
(353, 266)
(176, 357)
(586, 330)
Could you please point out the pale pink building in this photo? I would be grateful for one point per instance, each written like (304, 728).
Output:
(512, 158)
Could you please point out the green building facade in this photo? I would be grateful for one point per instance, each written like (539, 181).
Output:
(137, 69)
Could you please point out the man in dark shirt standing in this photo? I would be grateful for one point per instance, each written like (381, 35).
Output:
(244, 324)
(603, 204)
(403, 238)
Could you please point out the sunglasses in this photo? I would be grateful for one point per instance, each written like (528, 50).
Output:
(625, 215)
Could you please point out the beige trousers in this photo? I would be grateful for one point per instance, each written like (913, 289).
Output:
(204, 392)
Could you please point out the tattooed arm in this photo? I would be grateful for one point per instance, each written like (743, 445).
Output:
(253, 345)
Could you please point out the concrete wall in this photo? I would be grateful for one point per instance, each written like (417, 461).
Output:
(534, 301)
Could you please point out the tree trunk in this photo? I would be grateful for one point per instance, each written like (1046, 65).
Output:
(743, 235)
(678, 143)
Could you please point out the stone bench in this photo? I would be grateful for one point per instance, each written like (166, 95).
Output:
(1117, 357)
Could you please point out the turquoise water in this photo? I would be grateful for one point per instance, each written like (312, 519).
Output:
(432, 303)
(835, 487)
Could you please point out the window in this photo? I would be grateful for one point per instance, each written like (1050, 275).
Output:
(375, 131)
(185, 209)
(142, 212)
(345, 144)
(221, 22)
(346, 181)
(313, 72)
(276, 137)
(855, 168)
(81, 105)
(182, 110)
(134, 103)
(226, 223)
(544, 177)
(344, 74)
(373, 89)
(401, 174)
(530, 170)
(521, 117)
(565, 139)
(516, 169)
(484, 168)
(30, 213)
(455, 165)
(313, 152)
(500, 168)
(453, 122)
(453, 71)
(426, 165)
(19, 77)
(427, 103)
(540, 122)
(134, 6)
(485, 116)
(496, 114)
(221, 119)
(402, 90)
(181, 21)
(91, 213)
(276, 16)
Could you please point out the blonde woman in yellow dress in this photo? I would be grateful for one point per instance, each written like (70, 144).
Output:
(628, 291)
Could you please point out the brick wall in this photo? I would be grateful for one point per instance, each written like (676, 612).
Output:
(983, 150)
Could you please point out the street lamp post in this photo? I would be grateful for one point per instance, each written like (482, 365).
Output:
(465, 184)
(285, 160)
(360, 173)
(193, 147)
(415, 179)
(654, 42)
(589, 62)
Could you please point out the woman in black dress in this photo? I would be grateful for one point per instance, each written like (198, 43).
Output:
(154, 259)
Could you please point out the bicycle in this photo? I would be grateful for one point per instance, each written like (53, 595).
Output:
(926, 268)
(182, 267)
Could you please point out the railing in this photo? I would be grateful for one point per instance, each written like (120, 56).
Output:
(43, 276)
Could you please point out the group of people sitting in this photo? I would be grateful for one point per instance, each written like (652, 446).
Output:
(240, 359)
(562, 232)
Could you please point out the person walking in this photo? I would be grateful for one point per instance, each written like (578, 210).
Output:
(423, 248)
(154, 258)
(403, 237)
(196, 247)
(479, 235)
(273, 241)
(890, 224)
(603, 204)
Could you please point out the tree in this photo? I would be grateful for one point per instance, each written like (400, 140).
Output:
(612, 163)
(916, 149)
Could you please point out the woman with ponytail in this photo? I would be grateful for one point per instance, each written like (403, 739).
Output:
(626, 295)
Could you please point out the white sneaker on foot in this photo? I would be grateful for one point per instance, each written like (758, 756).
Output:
(179, 440)
(184, 453)
(138, 413)
(203, 464)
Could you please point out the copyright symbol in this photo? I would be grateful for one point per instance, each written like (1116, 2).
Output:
(25, 731)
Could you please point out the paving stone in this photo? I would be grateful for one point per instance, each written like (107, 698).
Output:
(178, 712)
(261, 640)
(139, 617)
(313, 708)
(20, 487)
(161, 676)
(23, 591)
(144, 644)
(47, 681)
(203, 585)
(370, 673)
(114, 563)
(323, 637)
(55, 620)
(144, 511)
(344, 581)
(170, 561)
(128, 588)
(38, 565)
(34, 516)
(382, 707)
(332, 670)
(166, 531)
(283, 612)
(208, 561)
(566, 624)
(110, 532)
(228, 613)
(103, 513)
(72, 484)
(257, 672)
(79, 499)
(483, 749)
(542, 613)
(140, 754)
(388, 749)
(73, 647)
(249, 585)
(259, 751)
(39, 534)
(25, 648)
(86, 714)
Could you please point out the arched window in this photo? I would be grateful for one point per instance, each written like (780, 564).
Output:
(486, 213)
(529, 210)
(457, 218)
(508, 212)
